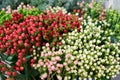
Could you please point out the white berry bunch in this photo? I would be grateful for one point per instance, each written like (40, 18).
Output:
(92, 50)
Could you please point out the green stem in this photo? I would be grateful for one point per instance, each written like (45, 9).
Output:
(48, 77)
(52, 75)
(26, 71)
(63, 74)
(33, 77)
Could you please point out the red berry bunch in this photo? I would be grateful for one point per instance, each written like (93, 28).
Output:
(14, 40)
(16, 16)
(51, 25)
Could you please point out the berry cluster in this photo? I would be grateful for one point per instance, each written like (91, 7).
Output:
(93, 50)
(51, 62)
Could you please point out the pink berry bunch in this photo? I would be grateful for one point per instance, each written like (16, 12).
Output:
(51, 62)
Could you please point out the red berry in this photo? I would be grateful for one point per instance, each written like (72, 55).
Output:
(3, 69)
(37, 44)
(37, 38)
(24, 59)
(20, 57)
(26, 41)
(17, 68)
(31, 64)
(23, 34)
(14, 74)
(20, 42)
(78, 10)
(8, 73)
(19, 60)
(32, 60)
(23, 50)
(65, 31)
(20, 54)
(18, 63)
(7, 79)
(26, 44)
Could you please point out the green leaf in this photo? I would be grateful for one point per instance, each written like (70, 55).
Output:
(2, 77)
(3, 56)
(34, 72)
(10, 58)
(28, 57)
(20, 77)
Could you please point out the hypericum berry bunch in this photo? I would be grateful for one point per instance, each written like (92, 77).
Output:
(103, 26)
(94, 52)
(57, 9)
(52, 63)
(49, 62)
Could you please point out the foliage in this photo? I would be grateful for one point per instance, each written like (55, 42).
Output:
(94, 11)
(4, 16)
(113, 18)
(27, 12)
